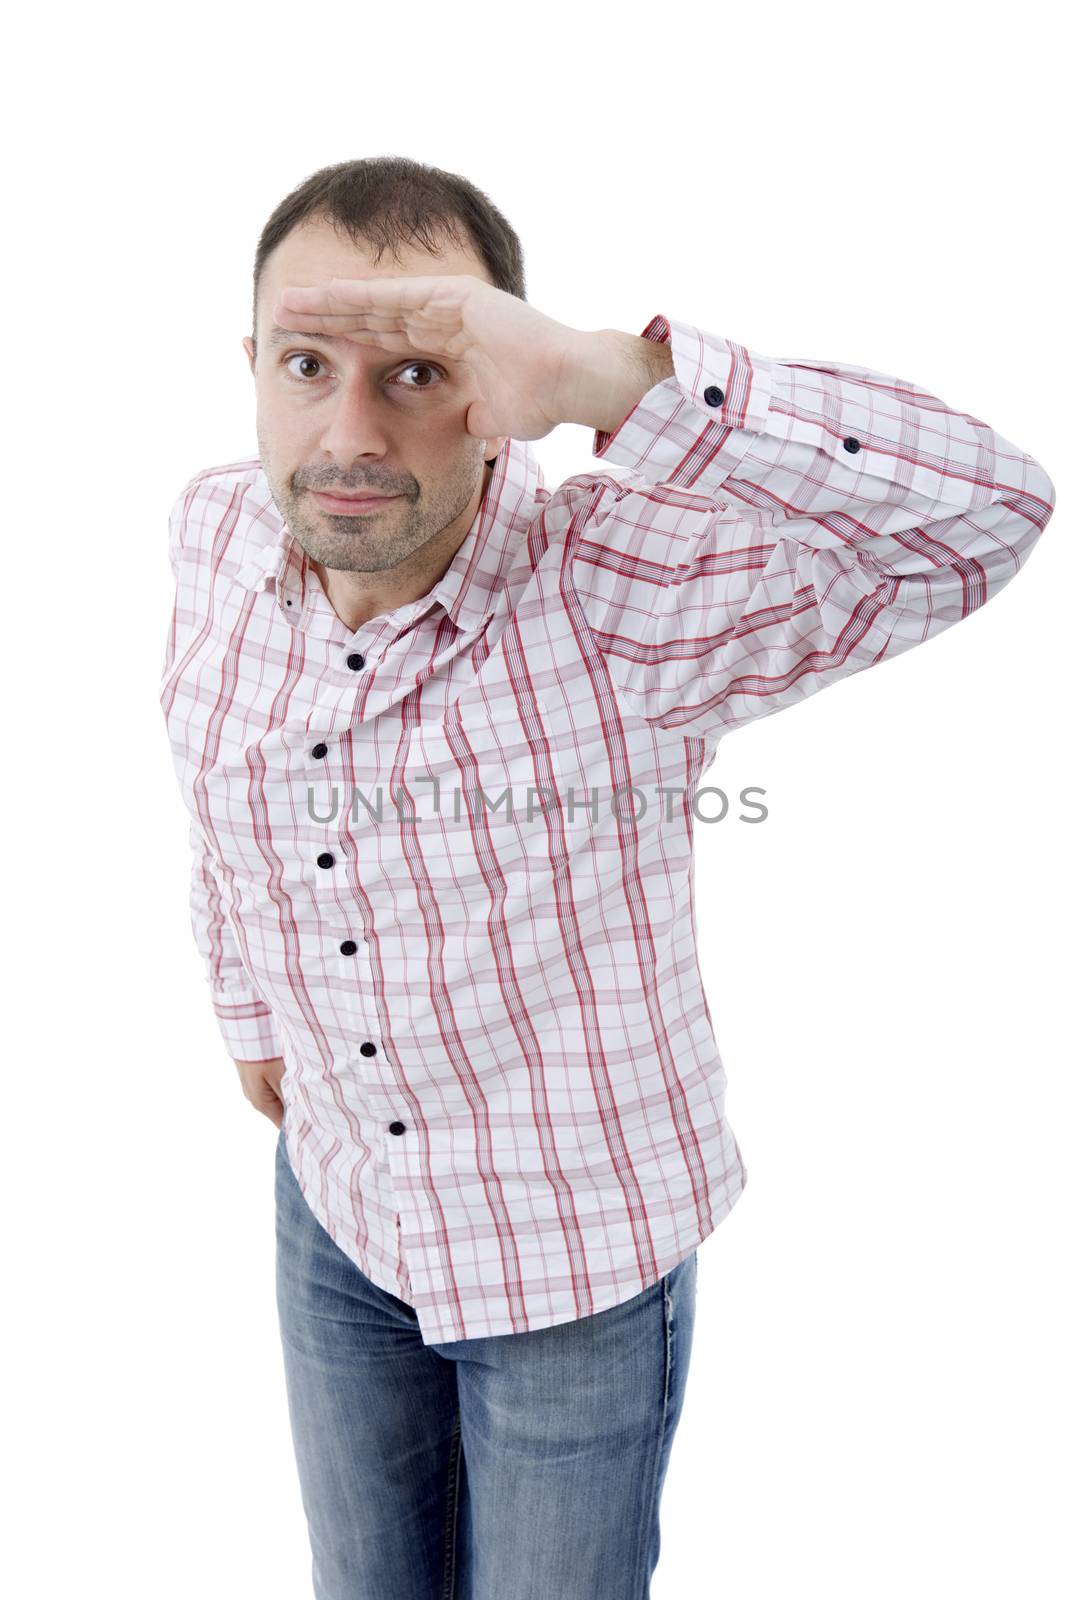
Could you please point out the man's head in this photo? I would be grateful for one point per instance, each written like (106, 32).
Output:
(343, 415)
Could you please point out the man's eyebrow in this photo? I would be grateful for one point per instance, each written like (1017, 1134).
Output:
(294, 336)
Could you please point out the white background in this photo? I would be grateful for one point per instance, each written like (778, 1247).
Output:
(876, 1403)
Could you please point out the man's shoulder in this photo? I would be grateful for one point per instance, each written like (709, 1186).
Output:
(216, 504)
(218, 484)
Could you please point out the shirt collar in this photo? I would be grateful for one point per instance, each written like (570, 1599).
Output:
(472, 585)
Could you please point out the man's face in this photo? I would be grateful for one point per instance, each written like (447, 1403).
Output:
(342, 415)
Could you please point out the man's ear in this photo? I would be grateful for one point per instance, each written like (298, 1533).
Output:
(250, 351)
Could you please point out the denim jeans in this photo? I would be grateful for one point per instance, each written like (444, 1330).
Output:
(524, 1466)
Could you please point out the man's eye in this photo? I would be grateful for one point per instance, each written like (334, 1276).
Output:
(421, 366)
(412, 366)
(288, 359)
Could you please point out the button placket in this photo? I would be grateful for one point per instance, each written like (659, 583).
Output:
(335, 711)
(325, 860)
(348, 947)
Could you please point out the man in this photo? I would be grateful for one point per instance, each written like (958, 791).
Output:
(439, 751)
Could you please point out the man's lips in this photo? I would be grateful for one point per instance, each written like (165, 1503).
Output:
(351, 502)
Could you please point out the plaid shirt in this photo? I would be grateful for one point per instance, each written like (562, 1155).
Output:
(443, 865)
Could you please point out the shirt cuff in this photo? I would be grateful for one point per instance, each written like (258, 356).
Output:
(247, 1028)
(697, 425)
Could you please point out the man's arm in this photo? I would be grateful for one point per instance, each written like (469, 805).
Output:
(783, 524)
(607, 374)
(244, 1018)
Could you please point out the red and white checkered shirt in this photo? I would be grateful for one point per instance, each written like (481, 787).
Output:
(443, 865)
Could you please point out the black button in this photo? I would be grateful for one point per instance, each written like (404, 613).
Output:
(852, 445)
(355, 661)
(349, 947)
(325, 860)
(396, 1127)
(368, 1049)
(319, 750)
(714, 395)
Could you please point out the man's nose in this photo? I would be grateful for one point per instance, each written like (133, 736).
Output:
(355, 425)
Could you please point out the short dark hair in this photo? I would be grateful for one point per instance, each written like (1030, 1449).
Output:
(391, 201)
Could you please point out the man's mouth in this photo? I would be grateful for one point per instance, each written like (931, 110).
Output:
(351, 503)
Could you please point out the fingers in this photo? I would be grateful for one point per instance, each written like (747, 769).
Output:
(395, 341)
(389, 336)
(307, 322)
(270, 1105)
(261, 1085)
(370, 294)
(343, 305)
(378, 305)
(423, 317)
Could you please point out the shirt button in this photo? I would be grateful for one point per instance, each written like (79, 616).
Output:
(396, 1127)
(852, 445)
(714, 395)
(325, 860)
(368, 1049)
(349, 947)
(355, 661)
(319, 750)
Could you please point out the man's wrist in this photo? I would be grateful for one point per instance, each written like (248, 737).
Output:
(607, 373)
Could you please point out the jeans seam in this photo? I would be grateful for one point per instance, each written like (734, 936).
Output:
(668, 1345)
(451, 1509)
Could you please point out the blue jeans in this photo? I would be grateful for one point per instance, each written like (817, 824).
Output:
(524, 1466)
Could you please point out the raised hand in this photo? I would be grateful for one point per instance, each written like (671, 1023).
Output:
(521, 365)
